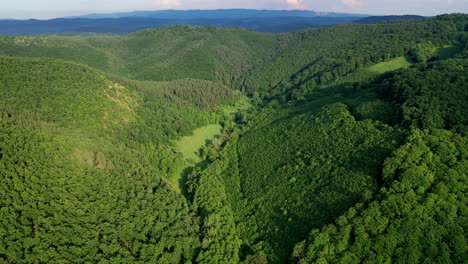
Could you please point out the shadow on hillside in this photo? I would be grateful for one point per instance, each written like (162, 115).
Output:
(184, 175)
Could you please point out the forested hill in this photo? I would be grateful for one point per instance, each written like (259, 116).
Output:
(88, 166)
(387, 19)
(240, 58)
(343, 144)
(127, 25)
(160, 54)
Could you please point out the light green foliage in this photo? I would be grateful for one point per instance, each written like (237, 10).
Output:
(96, 190)
(423, 52)
(242, 104)
(65, 93)
(66, 48)
(53, 210)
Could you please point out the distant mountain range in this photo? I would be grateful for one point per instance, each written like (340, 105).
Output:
(125, 23)
(220, 14)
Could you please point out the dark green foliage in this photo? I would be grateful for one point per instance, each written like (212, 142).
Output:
(201, 94)
(322, 164)
(376, 110)
(244, 59)
(389, 19)
(419, 216)
(431, 95)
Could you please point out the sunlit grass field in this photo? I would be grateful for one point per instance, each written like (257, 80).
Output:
(189, 145)
(395, 64)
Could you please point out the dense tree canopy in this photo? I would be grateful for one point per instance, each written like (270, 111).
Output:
(419, 216)
(350, 148)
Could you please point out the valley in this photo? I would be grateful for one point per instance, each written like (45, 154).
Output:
(201, 144)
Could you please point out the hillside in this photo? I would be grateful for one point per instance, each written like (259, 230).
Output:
(388, 19)
(242, 59)
(403, 221)
(207, 53)
(79, 149)
(350, 146)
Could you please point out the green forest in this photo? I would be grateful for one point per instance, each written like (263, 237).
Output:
(187, 144)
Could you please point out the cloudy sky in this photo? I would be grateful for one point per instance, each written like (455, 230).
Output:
(43, 9)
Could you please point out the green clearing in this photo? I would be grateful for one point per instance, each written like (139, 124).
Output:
(447, 51)
(189, 145)
(374, 70)
(395, 64)
(242, 104)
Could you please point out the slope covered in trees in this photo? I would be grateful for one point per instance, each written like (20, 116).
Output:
(127, 25)
(241, 58)
(71, 190)
(161, 54)
(87, 164)
(348, 155)
(419, 213)
(419, 216)
(293, 168)
(325, 161)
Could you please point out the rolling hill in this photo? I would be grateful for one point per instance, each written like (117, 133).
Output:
(387, 19)
(350, 148)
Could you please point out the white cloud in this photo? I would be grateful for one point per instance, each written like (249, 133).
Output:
(296, 4)
(168, 4)
(352, 4)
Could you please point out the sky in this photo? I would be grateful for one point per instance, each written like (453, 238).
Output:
(45, 9)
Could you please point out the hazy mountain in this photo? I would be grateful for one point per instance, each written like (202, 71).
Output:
(220, 14)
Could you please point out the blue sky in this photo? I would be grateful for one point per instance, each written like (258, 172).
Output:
(43, 9)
